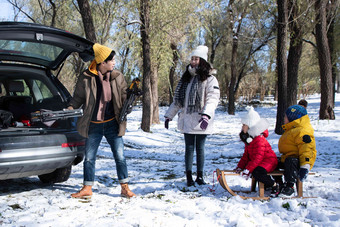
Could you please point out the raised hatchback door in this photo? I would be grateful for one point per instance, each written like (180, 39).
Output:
(39, 44)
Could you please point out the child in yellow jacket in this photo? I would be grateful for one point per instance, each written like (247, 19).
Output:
(297, 146)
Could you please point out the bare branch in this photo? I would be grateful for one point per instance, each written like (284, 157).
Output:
(20, 8)
(54, 13)
(310, 42)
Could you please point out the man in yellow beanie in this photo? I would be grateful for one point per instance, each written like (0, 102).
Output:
(101, 92)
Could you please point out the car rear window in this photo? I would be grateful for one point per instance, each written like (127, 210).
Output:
(30, 49)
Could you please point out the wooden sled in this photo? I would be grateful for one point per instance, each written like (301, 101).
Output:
(223, 182)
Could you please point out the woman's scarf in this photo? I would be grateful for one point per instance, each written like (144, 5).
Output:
(195, 99)
(106, 95)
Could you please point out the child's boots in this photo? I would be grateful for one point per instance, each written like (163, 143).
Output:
(287, 191)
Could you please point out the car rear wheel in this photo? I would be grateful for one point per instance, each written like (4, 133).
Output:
(57, 176)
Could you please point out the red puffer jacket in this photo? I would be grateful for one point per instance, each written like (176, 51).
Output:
(258, 153)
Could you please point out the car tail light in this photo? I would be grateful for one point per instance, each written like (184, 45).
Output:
(73, 144)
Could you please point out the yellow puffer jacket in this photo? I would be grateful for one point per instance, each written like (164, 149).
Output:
(298, 141)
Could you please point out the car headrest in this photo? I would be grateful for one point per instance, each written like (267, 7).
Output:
(16, 86)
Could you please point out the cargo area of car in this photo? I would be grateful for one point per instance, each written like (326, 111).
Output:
(23, 93)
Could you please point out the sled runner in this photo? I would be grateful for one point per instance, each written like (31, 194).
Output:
(223, 182)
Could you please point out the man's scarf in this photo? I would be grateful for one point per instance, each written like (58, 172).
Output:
(106, 95)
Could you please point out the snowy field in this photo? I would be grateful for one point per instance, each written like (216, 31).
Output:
(156, 169)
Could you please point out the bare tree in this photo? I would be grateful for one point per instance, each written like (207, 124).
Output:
(20, 7)
(240, 57)
(146, 53)
(325, 64)
(86, 15)
(216, 29)
(295, 51)
(47, 17)
(235, 26)
(332, 9)
(175, 59)
(281, 63)
(154, 97)
(54, 12)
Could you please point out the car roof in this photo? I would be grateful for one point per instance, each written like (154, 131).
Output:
(39, 44)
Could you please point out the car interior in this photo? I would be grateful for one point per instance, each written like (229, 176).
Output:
(23, 95)
(19, 105)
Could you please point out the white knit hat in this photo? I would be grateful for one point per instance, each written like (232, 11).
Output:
(251, 118)
(201, 51)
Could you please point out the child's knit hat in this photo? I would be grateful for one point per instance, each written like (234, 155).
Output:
(251, 118)
(201, 51)
(101, 52)
(295, 112)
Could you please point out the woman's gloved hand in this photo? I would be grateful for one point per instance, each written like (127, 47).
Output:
(166, 123)
(204, 122)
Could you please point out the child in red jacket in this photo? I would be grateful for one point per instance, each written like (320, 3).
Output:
(258, 158)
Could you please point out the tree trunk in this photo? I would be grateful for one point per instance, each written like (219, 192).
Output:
(215, 42)
(125, 57)
(154, 93)
(86, 16)
(226, 81)
(172, 71)
(281, 63)
(331, 42)
(54, 13)
(295, 52)
(147, 96)
(325, 64)
(233, 70)
(213, 53)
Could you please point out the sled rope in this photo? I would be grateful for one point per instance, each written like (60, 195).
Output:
(213, 189)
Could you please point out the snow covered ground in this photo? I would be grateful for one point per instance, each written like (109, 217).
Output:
(156, 169)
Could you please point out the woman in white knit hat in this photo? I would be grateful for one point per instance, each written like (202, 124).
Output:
(195, 100)
(258, 158)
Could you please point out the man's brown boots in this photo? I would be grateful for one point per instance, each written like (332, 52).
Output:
(126, 192)
(85, 192)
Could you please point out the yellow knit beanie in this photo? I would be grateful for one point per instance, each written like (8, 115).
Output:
(101, 52)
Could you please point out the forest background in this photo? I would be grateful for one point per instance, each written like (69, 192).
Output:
(286, 49)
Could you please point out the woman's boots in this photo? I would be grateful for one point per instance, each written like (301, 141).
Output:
(190, 181)
(199, 180)
(126, 192)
